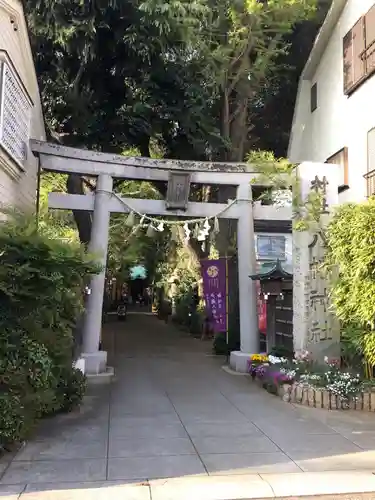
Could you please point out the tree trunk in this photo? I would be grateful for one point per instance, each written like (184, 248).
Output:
(239, 130)
(144, 147)
(83, 220)
(225, 119)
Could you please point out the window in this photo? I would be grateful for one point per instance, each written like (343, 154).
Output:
(359, 52)
(271, 247)
(15, 114)
(341, 158)
(314, 97)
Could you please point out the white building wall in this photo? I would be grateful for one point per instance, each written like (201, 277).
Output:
(339, 121)
(18, 187)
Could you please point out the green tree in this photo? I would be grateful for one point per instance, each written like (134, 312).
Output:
(184, 73)
(117, 75)
(243, 50)
(272, 112)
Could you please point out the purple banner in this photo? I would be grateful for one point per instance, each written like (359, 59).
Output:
(214, 289)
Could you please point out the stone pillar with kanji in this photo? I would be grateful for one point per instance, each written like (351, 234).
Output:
(315, 327)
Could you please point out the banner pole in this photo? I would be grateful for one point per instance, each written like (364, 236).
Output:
(227, 297)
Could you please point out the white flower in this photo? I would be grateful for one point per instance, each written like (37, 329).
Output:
(274, 360)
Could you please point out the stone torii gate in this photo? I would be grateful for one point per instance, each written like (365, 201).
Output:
(106, 167)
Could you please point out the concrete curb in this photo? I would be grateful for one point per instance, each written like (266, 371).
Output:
(229, 370)
(326, 485)
(101, 378)
(267, 486)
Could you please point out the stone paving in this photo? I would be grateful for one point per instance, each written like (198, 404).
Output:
(172, 412)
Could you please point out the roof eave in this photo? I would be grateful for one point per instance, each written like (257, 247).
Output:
(322, 38)
(276, 273)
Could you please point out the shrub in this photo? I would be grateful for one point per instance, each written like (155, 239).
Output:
(350, 262)
(220, 345)
(41, 282)
(281, 352)
(71, 389)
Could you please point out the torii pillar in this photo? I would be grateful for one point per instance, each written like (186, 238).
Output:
(249, 332)
(96, 360)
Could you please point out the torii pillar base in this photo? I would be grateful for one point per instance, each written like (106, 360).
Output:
(238, 361)
(95, 362)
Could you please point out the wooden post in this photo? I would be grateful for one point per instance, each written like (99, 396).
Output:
(271, 322)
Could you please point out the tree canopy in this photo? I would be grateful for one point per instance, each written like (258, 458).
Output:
(196, 78)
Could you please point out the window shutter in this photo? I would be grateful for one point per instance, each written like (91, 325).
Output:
(359, 67)
(15, 115)
(354, 57)
(370, 39)
(348, 61)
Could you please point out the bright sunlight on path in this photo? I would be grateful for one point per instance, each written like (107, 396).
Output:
(172, 412)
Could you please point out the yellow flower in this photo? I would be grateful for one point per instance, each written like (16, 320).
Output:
(259, 357)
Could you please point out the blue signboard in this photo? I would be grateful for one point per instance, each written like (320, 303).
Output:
(138, 272)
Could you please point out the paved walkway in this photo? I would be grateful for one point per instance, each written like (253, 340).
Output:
(172, 412)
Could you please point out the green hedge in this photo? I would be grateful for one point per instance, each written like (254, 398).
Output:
(187, 315)
(41, 283)
(221, 347)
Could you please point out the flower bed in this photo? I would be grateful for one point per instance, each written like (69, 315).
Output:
(321, 398)
(300, 380)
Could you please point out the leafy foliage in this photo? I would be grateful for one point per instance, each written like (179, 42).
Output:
(356, 345)
(114, 75)
(131, 245)
(41, 282)
(281, 351)
(351, 264)
(55, 223)
(189, 75)
(221, 347)
(71, 388)
(352, 246)
(243, 48)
